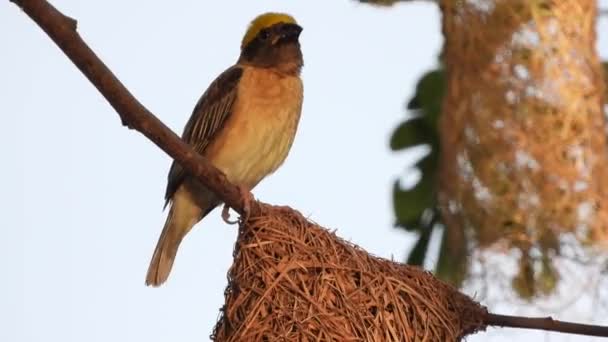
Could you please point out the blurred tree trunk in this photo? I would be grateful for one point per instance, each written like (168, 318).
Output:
(523, 138)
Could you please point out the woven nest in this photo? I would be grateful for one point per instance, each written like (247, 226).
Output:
(524, 144)
(293, 280)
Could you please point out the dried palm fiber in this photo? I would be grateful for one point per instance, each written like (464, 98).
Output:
(292, 280)
(523, 134)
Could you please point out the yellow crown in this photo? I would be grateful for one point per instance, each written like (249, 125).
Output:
(263, 21)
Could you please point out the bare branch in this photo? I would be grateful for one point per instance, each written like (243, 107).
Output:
(62, 30)
(545, 323)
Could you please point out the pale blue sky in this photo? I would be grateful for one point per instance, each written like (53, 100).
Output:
(82, 196)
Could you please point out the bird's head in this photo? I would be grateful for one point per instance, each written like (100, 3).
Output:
(271, 41)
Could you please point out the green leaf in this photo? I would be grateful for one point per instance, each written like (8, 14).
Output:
(453, 262)
(412, 132)
(407, 203)
(429, 95)
(548, 276)
(523, 283)
(418, 253)
(410, 204)
(429, 90)
(429, 164)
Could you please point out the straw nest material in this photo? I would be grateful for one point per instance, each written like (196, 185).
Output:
(293, 280)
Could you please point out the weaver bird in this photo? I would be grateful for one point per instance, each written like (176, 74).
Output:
(244, 124)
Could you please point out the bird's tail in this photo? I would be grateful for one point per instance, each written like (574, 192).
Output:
(183, 215)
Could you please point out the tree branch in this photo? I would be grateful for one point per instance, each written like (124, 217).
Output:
(545, 323)
(62, 30)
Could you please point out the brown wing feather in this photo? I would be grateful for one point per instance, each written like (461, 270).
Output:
(208, 117)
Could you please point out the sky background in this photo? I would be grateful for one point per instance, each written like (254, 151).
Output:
(82, 196)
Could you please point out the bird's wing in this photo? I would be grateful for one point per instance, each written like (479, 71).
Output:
(208, 117)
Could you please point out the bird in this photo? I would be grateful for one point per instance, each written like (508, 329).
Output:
(244, 124)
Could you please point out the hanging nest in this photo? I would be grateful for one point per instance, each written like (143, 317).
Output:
(524, 159)
(293, 280)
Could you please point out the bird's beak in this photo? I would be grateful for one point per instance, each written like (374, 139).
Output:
(289, 32)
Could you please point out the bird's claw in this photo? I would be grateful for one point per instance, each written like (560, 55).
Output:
(226, 215)
(246, 198)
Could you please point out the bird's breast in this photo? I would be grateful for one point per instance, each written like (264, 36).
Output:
(260, 131)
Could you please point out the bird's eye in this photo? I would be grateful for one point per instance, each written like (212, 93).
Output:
(263, 35)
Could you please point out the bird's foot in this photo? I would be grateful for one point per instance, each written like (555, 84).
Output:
(246, 198)
(226, 215)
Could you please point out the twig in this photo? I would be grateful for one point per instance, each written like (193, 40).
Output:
(62, 30)
(545, 323)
